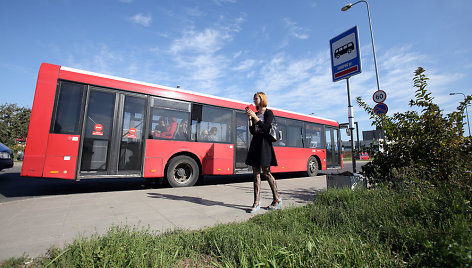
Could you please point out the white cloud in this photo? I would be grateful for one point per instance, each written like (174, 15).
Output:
(245, 65)
(207, 41)
(98, 58)
(198, 55)
(282, 72)
(237, 54)
(144, 20)
(295, 30)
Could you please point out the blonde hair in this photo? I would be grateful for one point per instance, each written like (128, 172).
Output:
(263, 97)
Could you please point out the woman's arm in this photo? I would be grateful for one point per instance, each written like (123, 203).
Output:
(252, 128)
(268, 118)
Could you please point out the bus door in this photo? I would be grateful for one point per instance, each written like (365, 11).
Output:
(333, 148)
(241, 142)
(113, 134)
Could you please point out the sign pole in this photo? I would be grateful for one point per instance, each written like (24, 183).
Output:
(351, 124)
(346, 62)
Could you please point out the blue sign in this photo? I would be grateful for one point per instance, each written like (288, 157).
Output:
(381, 108)
(345, 55)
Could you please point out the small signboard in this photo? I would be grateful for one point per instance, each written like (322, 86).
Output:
(381, 108)
(345, 55)
(132, 133)
(97, 130)
(379, 96)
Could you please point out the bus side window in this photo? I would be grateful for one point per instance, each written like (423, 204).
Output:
(314, 136)
(196, 119)
(68, 109)
(294, 133)
(169, 120)
(281, 126)
(215, 125)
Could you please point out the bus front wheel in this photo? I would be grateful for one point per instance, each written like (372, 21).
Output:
(182, 171)
(312, 167)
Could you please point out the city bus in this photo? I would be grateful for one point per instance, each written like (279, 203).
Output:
(86, 125)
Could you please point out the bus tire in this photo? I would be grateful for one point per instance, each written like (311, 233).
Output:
(312, 167)
(182, 171)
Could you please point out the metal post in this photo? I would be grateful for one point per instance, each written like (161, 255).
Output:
(466, 111)
(347, 7)
(468, 123)
(357, 134)
(373, 46)
(351, 127)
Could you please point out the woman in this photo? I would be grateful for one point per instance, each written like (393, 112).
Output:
(261, 153)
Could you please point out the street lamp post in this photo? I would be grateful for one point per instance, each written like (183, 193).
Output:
(347, 7)
(466, 112)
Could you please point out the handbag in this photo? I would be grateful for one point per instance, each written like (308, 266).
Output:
(274, 134)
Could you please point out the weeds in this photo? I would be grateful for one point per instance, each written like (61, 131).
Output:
(344, 228)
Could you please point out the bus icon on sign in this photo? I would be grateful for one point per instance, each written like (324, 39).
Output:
(347, 48)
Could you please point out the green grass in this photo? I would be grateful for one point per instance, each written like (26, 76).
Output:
(341, 228)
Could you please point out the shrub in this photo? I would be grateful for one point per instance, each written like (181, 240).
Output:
(425, 147)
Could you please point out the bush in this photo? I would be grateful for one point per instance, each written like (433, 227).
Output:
(422, 148)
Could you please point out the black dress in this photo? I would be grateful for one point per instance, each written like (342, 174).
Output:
(261, 152)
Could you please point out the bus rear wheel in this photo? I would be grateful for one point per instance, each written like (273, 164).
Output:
(182, 171)
(312, 167)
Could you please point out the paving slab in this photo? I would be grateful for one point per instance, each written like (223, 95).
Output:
(32, 225)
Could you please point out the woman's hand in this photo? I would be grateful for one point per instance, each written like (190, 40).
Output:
(250, 113)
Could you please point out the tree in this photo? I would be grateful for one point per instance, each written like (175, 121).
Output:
(14, 122)
(422, 147)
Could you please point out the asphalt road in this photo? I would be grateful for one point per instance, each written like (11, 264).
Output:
(14, 187)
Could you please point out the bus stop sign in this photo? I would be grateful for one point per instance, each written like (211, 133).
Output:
(345, 54)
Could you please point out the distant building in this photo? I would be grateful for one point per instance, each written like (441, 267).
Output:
(368, 137)
(374, 137)
(371, 135)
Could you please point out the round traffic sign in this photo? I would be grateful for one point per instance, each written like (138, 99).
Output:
(98, 127)
(132, 130)
(379, 96)
(381, 108)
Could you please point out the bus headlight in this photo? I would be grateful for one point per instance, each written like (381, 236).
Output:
(5, 155)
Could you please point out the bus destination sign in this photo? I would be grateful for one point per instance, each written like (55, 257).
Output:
(345, 55)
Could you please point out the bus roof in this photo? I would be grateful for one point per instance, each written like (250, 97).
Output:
(73, 74)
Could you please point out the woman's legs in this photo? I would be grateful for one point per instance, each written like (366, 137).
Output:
(272, 183)
(257, 185)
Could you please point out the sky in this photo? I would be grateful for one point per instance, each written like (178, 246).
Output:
(234, 48)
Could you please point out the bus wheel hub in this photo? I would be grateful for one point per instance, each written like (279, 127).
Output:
(181, 173)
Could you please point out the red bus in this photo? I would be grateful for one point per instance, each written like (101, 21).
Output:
(88, 125)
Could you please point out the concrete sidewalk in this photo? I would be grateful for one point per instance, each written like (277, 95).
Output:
(31, 226)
